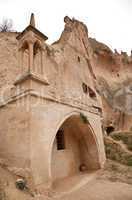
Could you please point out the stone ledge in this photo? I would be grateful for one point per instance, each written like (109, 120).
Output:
(33, 76)
(22, 94)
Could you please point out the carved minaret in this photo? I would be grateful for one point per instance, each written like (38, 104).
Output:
(32, 20)
(31, 50)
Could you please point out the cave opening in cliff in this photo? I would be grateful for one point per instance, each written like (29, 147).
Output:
(109, 129)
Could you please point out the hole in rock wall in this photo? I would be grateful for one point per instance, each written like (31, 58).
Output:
(109, 129)
(91, 93)
(78, 58)
(85, 88)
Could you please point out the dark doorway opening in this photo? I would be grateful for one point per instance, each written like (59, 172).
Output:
(109, 129)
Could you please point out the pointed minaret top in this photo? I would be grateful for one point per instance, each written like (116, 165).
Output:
(32, 20)
(31, 27)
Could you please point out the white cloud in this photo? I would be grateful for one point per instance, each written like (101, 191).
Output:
(108, 21)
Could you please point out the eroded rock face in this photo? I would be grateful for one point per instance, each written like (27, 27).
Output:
(8, 58)
(52, 85)
(118, 151)
(75, 75)
(110, 70)
(113, 72)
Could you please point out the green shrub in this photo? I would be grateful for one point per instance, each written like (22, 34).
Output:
(129, 161)
(129, 147)
(84, 118)
(116, 137)
(2, 192)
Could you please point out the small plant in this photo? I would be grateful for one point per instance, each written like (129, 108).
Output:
(6, 25)
(125, 137)
(129, 162)
(107, 150)
(129, 146)
(21, 184)
(2, 192)
(116, 137)
(84, 118)
(114, 167)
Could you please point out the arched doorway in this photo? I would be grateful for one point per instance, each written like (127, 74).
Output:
(74, 149)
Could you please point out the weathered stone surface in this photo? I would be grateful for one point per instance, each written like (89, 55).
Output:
(42, 92)
(45, 89)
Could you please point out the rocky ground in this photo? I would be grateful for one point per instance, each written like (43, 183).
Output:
(101, 190)
(119, 147)
(112, 183)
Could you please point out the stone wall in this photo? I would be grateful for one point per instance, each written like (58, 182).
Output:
(46, 119)
(9, 68)
(14, 134)
(32, 111)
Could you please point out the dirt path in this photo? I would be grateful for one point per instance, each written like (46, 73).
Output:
(101, 190)
(97, 188)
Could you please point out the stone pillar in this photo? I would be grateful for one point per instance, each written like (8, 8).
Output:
(21, 52)
(31, 57)
(42, 62)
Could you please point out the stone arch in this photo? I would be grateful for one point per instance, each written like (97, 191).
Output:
(37, 57)
(24, 56)
(84, 142)
(25, 45)
(36, 46)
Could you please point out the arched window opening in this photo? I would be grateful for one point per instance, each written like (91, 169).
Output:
(24, 57)
(60, 140)
(92, 94)
(25, 46)
(85, 88)
(36, 48)
(37, 53)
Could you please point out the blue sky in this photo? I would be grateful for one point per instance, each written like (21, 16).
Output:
(109, 21)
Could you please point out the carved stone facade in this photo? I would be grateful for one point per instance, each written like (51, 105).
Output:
(50, 111)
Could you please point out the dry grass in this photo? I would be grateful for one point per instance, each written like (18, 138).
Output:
(114, 151)
(125, 137)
